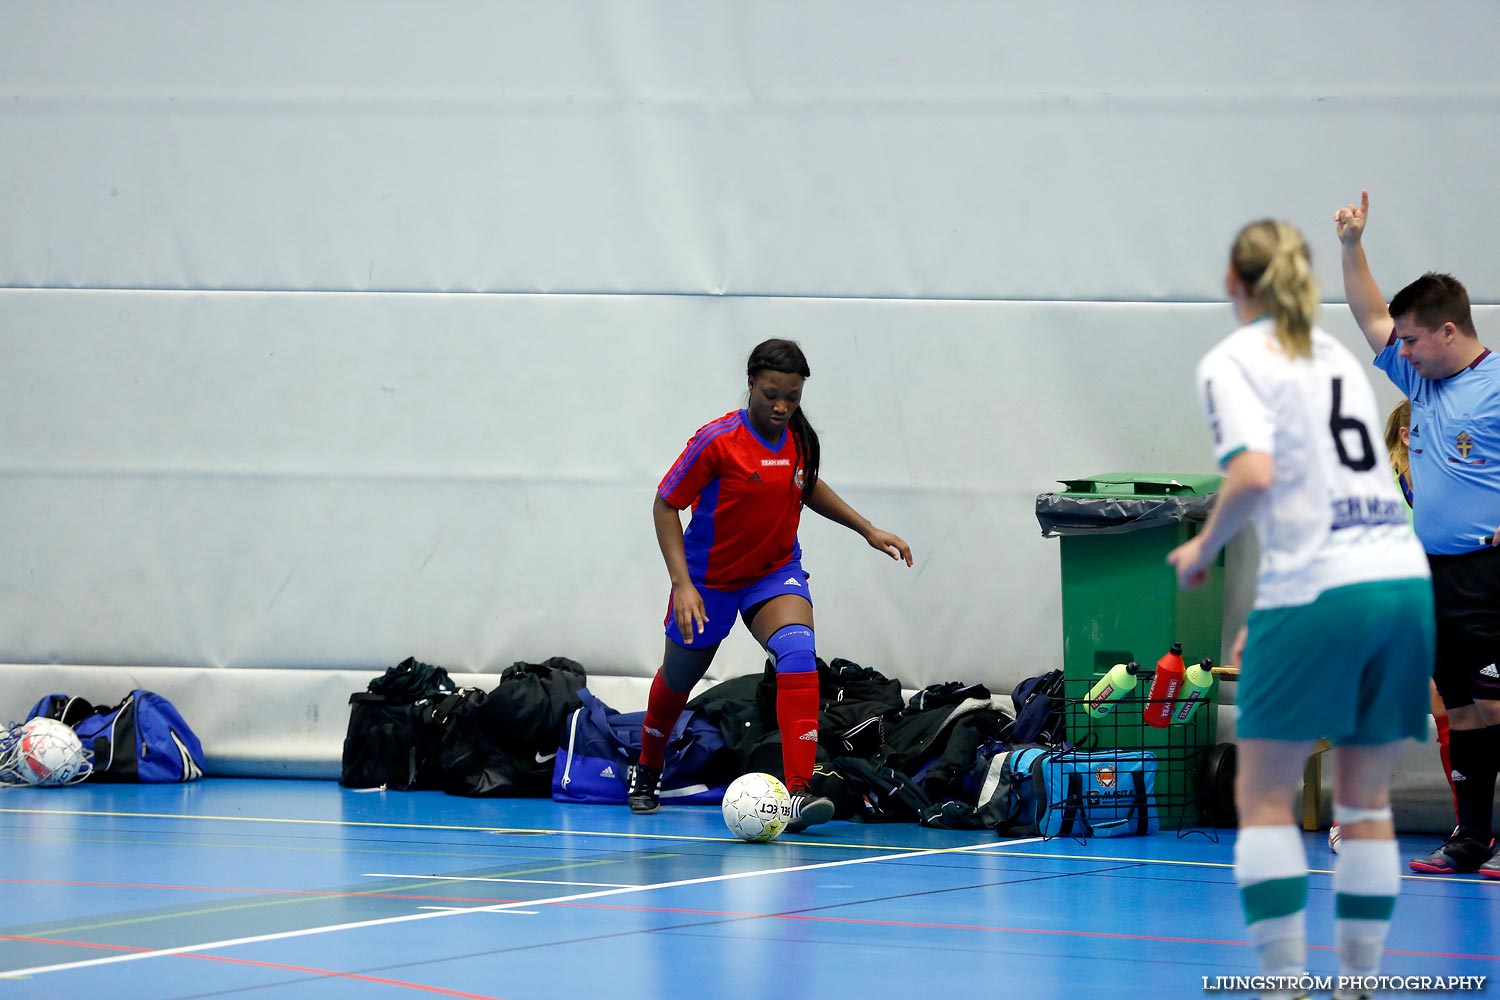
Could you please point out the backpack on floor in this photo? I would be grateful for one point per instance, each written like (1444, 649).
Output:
(862, 789)
(1007, 801)
(528, 707)
(143, 738)
(1039, 706)
(502, 744)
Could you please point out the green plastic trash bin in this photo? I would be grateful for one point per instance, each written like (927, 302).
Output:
(1121, 602)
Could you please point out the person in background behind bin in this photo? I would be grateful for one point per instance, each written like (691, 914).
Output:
(1398, 447)
(1341, 630)
(1426, 344)
(747, 477)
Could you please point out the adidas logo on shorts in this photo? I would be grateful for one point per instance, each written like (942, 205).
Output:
(1490, 671)
(608, 772)
(1457, 775)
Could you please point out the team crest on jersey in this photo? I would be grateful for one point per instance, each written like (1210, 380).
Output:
(1464, 443)
(797, 477)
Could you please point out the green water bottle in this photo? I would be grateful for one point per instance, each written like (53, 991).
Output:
(1197, 681)
(1115, 684)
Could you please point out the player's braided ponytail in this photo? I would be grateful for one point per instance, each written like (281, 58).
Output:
(785, 356)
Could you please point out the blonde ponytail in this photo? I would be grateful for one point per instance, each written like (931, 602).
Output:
(1272, 259)
(1400, 417)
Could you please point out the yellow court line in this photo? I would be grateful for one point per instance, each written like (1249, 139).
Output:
(239, 907)
(666, 836)
(1103, 857)
(326, 847)
(322, 847)
(434, 826)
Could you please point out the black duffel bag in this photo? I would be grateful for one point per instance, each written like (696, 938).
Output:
(395, 728)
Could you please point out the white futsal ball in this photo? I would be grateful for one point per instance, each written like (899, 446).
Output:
(757, 807)
(50, 753)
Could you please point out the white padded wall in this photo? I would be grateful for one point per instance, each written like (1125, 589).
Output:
(936, 150)
(335, 332)
(335, 480)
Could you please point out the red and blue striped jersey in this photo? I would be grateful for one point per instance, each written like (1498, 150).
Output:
(746, 495)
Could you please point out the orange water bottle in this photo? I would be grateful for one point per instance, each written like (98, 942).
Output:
(1164, 687)
(1197, 681)
(1115, 684)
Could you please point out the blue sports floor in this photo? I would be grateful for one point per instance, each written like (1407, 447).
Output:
(304, 889)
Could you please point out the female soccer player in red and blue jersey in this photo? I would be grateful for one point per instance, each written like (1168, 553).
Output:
(747, 477)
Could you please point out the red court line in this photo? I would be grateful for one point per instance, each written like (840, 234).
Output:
(274, 892)
(441, 991)
(719, 913)
(1101, 934)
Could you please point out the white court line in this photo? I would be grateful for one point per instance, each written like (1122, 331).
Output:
(498, 907)
(465, 909)
(529, 881)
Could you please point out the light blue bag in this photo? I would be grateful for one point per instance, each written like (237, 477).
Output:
(1098, 793)
(1055, 792)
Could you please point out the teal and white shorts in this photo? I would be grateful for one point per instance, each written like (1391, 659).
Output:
(1351, 667)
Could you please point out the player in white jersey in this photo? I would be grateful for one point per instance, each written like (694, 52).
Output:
(1337, 642)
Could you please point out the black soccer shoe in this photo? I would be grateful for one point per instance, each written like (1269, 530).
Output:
(643, 788)
(1459, 855)
(808, 809)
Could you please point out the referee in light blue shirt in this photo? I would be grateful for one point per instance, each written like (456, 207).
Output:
(1426, 343)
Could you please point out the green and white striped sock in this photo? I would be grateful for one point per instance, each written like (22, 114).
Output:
(1270, 867)
(1366, 879)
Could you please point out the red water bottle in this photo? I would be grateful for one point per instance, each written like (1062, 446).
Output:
(1164, 687)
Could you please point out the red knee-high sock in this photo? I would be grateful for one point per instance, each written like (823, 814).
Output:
(662, 709)
(1446, 757)
(797, 718)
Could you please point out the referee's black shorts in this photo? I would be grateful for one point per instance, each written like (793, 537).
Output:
(1466, 599)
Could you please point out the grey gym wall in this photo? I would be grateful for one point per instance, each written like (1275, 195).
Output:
(336, 332)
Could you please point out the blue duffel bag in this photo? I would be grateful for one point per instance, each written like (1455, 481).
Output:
(599, 743)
